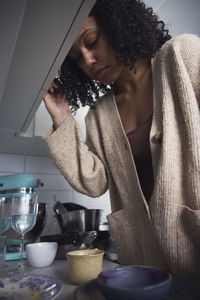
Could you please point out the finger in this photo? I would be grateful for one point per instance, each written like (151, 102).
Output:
(55, 84)
(50, 90)
(58, 85)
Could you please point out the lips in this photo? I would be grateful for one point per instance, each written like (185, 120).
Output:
(100, 73)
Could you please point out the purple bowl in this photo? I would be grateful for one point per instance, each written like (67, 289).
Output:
(135, 282)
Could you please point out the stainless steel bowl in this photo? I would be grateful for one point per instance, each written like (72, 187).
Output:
(31, 236)
(82, 220)
(73, 206)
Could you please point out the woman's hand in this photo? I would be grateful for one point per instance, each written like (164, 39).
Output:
(56, 104)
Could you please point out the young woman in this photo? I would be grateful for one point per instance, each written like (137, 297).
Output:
(143, 137)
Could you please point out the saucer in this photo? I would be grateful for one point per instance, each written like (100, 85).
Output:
(28, 286)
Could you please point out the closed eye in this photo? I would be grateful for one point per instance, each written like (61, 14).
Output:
(92, 44)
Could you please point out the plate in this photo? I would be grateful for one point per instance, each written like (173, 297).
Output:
(28, 286)
(182, 289)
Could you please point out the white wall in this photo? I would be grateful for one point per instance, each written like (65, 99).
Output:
(54, 184)
(180, 16)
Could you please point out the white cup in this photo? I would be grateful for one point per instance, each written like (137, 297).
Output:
(40, 255)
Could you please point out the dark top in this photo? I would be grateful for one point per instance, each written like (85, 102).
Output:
(140, 146)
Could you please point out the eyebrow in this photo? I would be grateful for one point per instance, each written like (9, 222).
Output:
(81, 36)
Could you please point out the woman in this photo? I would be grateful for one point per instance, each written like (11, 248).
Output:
(143, 137)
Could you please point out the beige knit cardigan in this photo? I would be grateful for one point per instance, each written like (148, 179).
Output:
(165, 233)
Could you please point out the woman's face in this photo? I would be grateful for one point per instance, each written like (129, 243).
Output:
(94, 55)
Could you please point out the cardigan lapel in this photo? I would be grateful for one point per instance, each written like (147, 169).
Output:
(119, 154)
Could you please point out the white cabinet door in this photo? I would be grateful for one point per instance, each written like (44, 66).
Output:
(37, 36)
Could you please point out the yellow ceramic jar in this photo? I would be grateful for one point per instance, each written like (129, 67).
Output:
(84, 265)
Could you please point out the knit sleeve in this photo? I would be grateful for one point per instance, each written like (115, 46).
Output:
(188, 47)
(82, 168)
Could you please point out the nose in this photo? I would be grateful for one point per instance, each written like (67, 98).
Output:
(89, 58)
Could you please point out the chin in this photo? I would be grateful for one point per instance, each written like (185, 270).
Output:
(107, 81)
(110, 79)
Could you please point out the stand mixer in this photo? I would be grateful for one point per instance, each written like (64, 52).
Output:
(20, 185)
(17, 184)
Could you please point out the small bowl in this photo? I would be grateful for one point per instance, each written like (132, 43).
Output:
(84, 265)
(40, 255)
(135, 282)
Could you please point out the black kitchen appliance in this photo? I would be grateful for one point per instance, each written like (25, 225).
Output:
(79, 227)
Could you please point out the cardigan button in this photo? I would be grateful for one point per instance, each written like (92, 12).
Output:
(157, 138)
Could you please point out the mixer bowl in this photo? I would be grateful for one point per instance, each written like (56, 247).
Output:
(82, 220)
(13, 238)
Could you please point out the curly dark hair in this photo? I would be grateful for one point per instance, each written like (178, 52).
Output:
(133, 32)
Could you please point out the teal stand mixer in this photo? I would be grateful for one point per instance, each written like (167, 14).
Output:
(20, 185)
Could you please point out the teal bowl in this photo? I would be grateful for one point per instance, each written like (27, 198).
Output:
(135, 282)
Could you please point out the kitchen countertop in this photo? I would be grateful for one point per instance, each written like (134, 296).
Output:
(59, 270)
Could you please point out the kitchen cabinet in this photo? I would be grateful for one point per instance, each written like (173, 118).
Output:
(35, 38)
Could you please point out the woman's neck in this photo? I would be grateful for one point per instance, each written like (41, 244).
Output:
(134, 95)
(131, 81)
